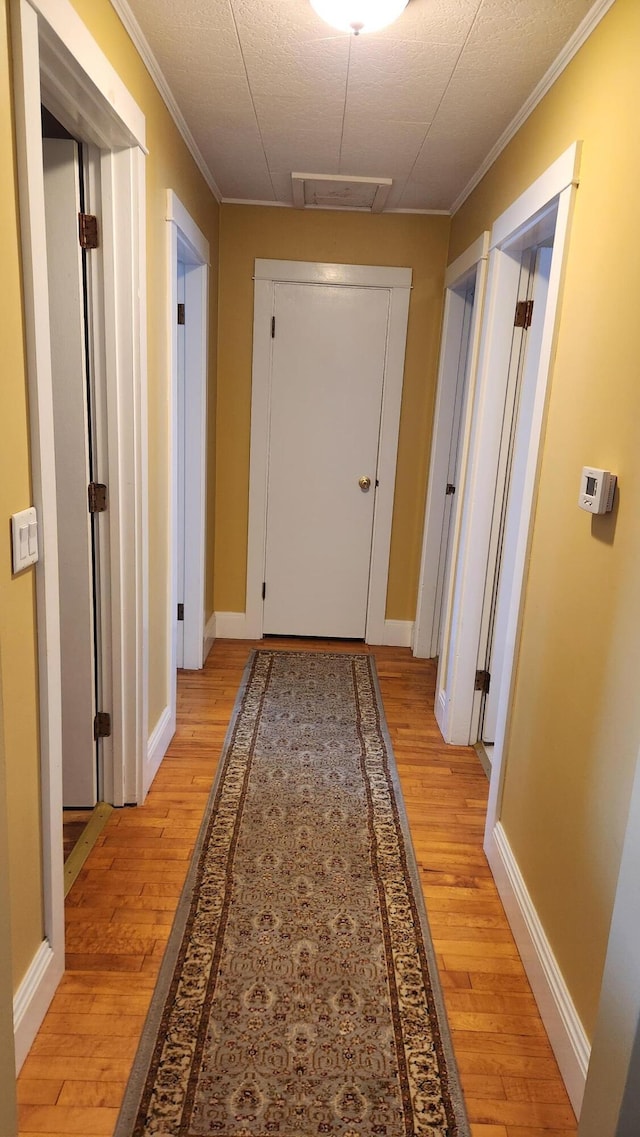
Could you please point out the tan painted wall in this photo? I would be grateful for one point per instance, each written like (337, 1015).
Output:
(576, 717)
(248, 232)
(168, 166)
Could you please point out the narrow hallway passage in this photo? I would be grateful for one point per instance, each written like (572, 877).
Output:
(120, 910)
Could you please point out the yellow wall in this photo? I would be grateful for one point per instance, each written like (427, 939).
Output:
(169, 165)
(575, 728)
(418, 242)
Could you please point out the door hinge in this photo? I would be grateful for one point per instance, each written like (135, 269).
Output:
(483, 682)
(181, 316)
(264, 589)
(273, 327)
(181, 611)
(88, 230)
(97, 497)
(102, 725)
(524, 314)
(450, 489)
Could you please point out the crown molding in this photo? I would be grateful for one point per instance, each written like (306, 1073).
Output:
(136, 34)
(571, 48)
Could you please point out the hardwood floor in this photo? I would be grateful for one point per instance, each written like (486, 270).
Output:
(119, 915)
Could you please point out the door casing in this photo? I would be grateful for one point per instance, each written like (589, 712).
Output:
(469, 266)
(398, 282)
(56, 61)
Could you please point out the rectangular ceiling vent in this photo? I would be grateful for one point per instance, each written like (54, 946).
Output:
(338, 191)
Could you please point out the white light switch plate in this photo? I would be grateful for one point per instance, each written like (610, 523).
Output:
(24, 539)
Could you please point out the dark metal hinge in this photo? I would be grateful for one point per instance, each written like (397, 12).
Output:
(181, 611)
(181, 314)
(450, 489)
(483, 682)
(273, 327)
(102, 725)
(264, 589)
(88, 231)
(524, 314)
(97, 497)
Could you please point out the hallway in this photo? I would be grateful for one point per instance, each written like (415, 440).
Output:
(119, 915)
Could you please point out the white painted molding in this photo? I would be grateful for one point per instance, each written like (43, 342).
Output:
(570, 49)
(153, 67)
(289, 205)
(478, 250)
(561, 174)
(561, 1020)
(398, 633)
(61, 18)
(158, 744)
(317, 272)
(32, 999)
(209, 635)
(232, 626)
(190, 232)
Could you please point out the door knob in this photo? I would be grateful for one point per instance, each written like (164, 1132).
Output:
(364, 482)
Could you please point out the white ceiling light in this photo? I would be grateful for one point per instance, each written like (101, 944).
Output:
(359, 15)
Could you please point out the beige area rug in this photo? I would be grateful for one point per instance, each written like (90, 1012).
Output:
(299, 995)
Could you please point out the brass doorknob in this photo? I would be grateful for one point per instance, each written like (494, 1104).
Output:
(364, 482)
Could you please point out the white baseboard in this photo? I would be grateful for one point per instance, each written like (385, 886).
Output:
(561, 1020)
(158, 743)
(209, 636)
(32, 999)
(232, 626)
(398, 633)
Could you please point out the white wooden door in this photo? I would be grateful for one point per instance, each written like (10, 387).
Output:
(327, 374)
(71, 435)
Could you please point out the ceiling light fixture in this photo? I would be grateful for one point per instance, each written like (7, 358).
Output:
(359, 15)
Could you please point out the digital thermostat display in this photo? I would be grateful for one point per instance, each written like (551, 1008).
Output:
(597, 490)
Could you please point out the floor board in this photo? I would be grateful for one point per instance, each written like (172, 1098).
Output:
(119, 914)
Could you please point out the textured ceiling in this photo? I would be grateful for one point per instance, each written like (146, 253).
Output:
(266, 89)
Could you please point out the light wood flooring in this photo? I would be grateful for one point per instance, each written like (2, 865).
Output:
(120, 910)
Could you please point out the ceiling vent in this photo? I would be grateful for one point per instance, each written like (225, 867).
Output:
(337, 191)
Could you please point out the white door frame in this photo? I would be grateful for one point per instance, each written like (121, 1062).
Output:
(510, 233)
(186, 243)
(470, 266)
(398, 282)
(56, 60)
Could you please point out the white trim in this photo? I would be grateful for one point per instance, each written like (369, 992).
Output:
(457, 671)
(315, 272)
(397, 633)
(557, 1011)
(570, 49)
(33, 997)
(60, 18)
(523, 538)
(209, 635)
(478, 250)
(158, 744)
(398, 282)
(187, 244)
(289, 205)
(233, 626)
(57, 60)
(557, 177)
(471, 262)
(155, 71)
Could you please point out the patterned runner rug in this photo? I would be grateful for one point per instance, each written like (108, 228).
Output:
(298, 996)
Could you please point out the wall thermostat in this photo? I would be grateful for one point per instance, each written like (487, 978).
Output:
(597, 489)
